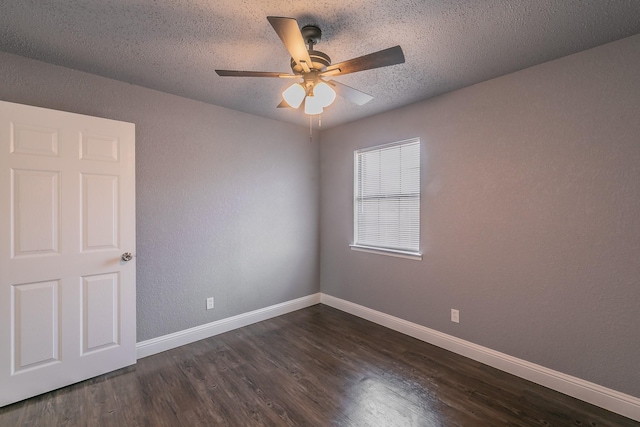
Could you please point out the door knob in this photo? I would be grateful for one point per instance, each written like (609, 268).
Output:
(126, 256)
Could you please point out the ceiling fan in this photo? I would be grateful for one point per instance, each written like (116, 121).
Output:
(317, 90)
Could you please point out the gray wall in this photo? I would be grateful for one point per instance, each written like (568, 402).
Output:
(227, 202)
(530, 215)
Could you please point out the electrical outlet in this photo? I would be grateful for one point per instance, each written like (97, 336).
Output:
(209, 303)
(455, 315)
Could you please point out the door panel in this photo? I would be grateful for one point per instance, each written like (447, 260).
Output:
(101, 148)
(100, 212)
(100, 307)
(36, 212)
(67, 213)
(30, 139)
(36, 338)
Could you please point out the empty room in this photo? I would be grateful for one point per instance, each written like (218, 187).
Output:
(333, 213)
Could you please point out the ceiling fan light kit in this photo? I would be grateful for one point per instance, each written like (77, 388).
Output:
(294, 95)
(313, 66)
(324, 93)
(313, 105)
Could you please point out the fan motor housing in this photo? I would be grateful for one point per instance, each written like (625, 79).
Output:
(319, 61)
(311, 35)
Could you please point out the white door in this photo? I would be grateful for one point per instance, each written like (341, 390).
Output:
(67, 214)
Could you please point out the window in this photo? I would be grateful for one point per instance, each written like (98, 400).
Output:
(387, 199)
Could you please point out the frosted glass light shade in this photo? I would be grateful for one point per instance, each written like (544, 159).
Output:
(325, 94)
(294, 95)
(313, 105)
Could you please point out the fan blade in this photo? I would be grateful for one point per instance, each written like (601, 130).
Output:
(354, 95)
(289, 32)
(232, 73)
(284, 104)
(382, 58)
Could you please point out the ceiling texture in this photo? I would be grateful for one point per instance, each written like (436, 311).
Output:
(174, 46)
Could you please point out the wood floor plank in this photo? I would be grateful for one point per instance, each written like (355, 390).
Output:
(313, 367)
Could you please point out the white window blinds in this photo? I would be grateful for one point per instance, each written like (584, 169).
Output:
(387, 197)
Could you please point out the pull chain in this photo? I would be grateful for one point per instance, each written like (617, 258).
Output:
(311, 126)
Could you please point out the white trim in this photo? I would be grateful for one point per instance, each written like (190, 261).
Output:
(615, 401)
(388, 252)
(187, 336)
(389, 145)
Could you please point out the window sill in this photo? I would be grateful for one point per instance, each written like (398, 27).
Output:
(388, 252)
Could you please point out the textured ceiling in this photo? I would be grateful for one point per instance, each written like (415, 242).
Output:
(174, 46)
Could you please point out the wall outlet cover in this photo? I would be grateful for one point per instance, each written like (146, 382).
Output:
(455, 315)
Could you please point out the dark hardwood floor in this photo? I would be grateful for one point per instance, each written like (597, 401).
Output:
(313, 367)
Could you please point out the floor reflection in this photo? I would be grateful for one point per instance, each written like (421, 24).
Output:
(376, 401)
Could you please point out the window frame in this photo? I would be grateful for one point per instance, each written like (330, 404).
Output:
(402, 253)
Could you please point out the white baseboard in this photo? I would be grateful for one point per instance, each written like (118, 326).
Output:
(614, 401)
(187, 336)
